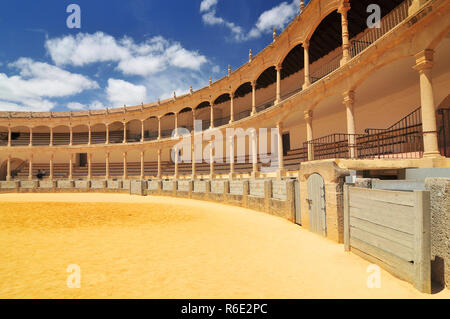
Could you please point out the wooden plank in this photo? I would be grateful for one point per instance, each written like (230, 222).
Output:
(396, 217)
(394, 248)
(402, 238)
(346, 218)
(396, 266)
(394, 197)
(422, 243)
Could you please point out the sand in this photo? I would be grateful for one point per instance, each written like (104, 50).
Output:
(160, 247)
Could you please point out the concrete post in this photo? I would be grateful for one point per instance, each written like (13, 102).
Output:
(345, 34)
(253, 83)
(307, 81)
(424, 65)
(309, 133)
(349, 98)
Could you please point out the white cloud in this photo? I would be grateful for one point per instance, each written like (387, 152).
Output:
(121, 93)
(277, 17)
(149, 57)
(36, 82)
(75, 106)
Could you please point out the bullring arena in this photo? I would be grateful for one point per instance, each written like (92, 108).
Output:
(356, 153)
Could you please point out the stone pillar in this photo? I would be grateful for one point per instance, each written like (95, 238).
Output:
(8, 168)
(176, 124)
(253, 83)
(345, 34)
(278, 93)
(211, 160)
(31, 137)
(211, 125)
(159, 128)
(193, 159)
(424, 65)
(107, 165)
(176, 151)
(89, 177)
(9, 136)
(107, 134)
(125, 173)
(30, 168)
(142, 165)
(159, 164)
(71, 136)
(193, 119)
(231, 107)
(142, 131)
(280, 149)
(254, 154)
(307, 81)
(90, 135)
(309, 133)
(349, 99)
(231, 143)
(51, 136)
(51, 166)
(124, 132)
(71, 166)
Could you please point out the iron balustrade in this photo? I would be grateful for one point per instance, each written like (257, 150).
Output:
(443, 127)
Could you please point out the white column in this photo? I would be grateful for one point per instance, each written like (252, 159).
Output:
(107, 165)
(349, 98)
(278, 93)
(176, 124)
(211, 160)
(31, 137)
(8, 168)
(159, 164)
(30, 168)
(90, 135)
(254, 154)
(280, 147)
(124, 132)
(193, 162)
(309, 133)
(307, 81)
(107, 134)
(345, 34)
(51, 136)
(231, 107)
(424, 65)
(176, 164)
(231, 159)
(159, 128)
(253, 83)
(71, 160)
(125, 173)
(9, 136)
(51, 166)
(89, 166)
(142, 131)
(142, 165)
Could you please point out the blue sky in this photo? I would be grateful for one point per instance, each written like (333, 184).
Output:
(126, 52)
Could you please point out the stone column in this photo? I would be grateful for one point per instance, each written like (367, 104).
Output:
(51, 167)
(349, 98)
(90, 135)
(176, 124)
(176, 163)
(8, 168)
(159, 128)
(107, 165)
(278, 93)
(211, 125)
(309, 133)
(107, 134)
(345, 34)
(125, 173)
(193, 159)
(142, 131)
(71, 136)
(31, 137)
(30, 168)
(51, 136)
(9, 136)
(124, 132)
(211, 160)
(142, 165)
(89, 177)
(253, 83)
(280, 148)
(231, 143)
(254, 154)
(424, 65)
(231, 107)
(193, 119)
(71, 166)
(159, 164)
(307, 81)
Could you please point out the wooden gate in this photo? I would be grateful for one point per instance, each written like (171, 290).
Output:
(316, 204)
(298, 215)
(391, 229)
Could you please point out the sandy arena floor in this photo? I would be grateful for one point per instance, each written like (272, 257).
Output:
(158, 247)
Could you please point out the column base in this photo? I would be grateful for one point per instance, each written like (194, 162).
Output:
(281, 172)
(232, 175)
(305, 86)
(432, 155)
(255, 175)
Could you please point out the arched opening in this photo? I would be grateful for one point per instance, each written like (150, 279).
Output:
(98, 134)
(134, 131)
(151, 128)
(41, 136)
(20, 136)
(116, 164)
(292, 74)
(16, 165)
(61, 135)
(185, 119)
(265, 89)
(80, 135)
(167, 125)
(116, 133)
(243, 101)
(203, 113)
(222, 110)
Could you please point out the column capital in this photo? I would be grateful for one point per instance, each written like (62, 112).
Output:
(424, 60)
(344, 7)
(349, 97)
(305, 44)
(308, 115)
(278, 67)
(253, 83)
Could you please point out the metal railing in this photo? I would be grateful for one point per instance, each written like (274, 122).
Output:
(443, 127)
(327, 68)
